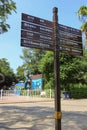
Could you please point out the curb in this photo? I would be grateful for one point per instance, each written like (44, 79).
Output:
(31, 101)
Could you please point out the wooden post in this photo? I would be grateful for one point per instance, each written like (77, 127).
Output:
(57, 113)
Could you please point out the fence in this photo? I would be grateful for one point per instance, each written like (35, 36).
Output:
(17, 93)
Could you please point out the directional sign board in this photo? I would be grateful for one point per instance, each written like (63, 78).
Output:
(38, 33)
(70, 40)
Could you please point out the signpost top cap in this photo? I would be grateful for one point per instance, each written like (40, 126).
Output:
(55, 9)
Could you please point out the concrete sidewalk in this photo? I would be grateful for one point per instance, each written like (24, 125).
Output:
(39, 115)
(23, 99)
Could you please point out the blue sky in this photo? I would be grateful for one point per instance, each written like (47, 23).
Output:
(10, 42)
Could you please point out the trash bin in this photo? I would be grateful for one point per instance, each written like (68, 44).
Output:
(67, 95)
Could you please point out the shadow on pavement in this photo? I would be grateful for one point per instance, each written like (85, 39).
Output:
(36, 117)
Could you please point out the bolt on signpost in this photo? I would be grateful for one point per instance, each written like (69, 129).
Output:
(46, 35)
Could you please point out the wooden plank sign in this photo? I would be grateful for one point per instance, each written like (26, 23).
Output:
(38, 33)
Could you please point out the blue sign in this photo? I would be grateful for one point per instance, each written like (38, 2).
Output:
(37, 84)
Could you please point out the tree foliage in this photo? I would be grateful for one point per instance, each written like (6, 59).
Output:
(72, 69)
(7, 72)
(82, 14)
(46, 66)
(31, 58)
(6, 8)
(20, 73)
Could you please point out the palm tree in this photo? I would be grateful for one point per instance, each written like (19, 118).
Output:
(82, 14)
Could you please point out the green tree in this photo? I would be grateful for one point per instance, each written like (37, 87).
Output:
(20, 73)
(31, 58)
(7, 72)
(72, 69)
(83, 71)
(6, 8)
(82, 14)
(46, 66)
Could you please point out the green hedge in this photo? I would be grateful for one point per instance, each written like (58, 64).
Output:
(77, 91)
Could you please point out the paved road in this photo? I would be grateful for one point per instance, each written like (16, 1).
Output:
(39, 115)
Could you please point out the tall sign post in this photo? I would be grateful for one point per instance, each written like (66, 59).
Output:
(46, 35)
(57, 113)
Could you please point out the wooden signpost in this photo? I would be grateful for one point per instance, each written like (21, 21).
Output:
(38, 33)
(43, 34)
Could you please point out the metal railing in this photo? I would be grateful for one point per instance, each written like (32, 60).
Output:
(17, 93)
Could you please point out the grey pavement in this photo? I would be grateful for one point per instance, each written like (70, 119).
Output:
(39, 115)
